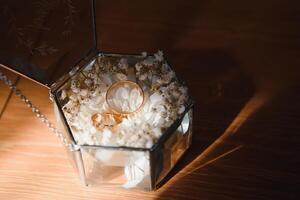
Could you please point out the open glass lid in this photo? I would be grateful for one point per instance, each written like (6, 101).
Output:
(43, 40)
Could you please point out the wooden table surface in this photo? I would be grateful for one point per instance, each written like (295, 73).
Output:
(241, 61)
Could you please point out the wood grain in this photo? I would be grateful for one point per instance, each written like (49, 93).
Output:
(241, 63)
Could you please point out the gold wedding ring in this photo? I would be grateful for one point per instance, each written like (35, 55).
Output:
(120, 94)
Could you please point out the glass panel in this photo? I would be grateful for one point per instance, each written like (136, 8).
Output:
(74, 156)
(43, 40)
(173, 149)
(118, 167)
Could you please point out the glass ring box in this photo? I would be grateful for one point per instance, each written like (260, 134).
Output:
(129, 116)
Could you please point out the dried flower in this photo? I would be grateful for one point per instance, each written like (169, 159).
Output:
(121, 76)
(159, 56)
(144, 54)
(123, 64)
(63, 94)
(138, 66)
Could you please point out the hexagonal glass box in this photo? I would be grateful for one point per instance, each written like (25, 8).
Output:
(138, 139)
(129, 116)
